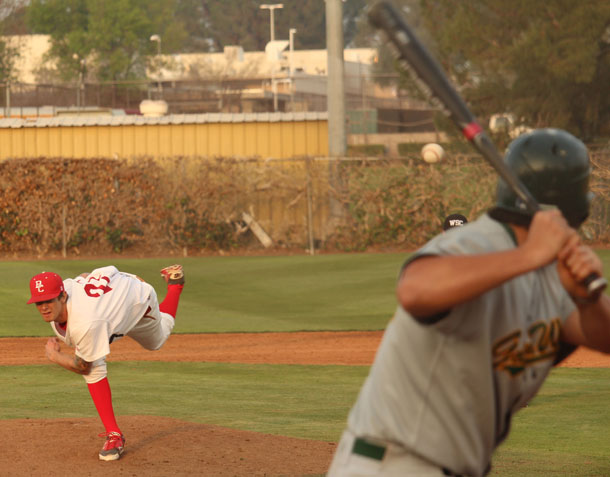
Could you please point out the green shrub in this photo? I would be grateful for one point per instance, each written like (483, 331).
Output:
(357, 150)
(453, 147)
(409, 148)
(178, 205)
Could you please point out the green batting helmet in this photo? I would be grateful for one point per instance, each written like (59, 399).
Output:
(554, 166)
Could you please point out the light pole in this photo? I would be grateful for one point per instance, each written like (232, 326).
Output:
(8, 99)
(81, 86)
(157, 38)
(271, 7)
(291, 33)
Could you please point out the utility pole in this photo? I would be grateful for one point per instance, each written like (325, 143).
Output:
(272, 7)
(80, 87)
(337, 141)
(157, 38)
(8, 99)
(291, 33)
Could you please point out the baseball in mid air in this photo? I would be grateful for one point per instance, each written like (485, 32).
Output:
(432, 153)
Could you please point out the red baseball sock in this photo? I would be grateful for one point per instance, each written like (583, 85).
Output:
(102, 398)
(170, 302)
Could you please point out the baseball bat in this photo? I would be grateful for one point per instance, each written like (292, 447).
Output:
(435, 84)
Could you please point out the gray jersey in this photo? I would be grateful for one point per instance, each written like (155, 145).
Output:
(446, 390)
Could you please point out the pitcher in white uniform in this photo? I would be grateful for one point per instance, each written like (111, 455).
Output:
(483, 314)
(92, 311)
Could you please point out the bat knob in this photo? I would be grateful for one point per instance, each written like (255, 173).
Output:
(595, 284)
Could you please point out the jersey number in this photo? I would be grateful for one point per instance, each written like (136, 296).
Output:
(96, 290)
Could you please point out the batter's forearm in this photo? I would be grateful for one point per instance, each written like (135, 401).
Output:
(595, 323)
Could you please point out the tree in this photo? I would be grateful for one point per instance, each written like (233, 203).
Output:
(387, 67)
(113, 36)
(12, 17)
(548, 62)
(9, 54)
(214, 24)
(192, 14)
(118, 33)
(236, 22)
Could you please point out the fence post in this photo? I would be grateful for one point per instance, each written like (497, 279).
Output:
(309, 207)
(64, 238)
(8, 100)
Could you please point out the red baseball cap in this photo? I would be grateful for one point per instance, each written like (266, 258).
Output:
(45, 286)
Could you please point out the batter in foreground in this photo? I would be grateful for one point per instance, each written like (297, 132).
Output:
(484, 312)
(92, 311)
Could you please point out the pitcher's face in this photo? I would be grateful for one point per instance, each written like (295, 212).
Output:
(51, 310)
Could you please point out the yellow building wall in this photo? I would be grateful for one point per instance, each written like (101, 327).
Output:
(281, 140)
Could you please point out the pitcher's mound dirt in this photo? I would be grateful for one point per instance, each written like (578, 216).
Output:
(156, 446)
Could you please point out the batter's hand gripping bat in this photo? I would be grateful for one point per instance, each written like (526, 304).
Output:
(436, 85)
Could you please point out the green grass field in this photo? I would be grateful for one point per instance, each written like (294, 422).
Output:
(564, 431)
(326, 292)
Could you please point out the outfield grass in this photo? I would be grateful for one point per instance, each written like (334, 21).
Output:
(251, 294)
(292, 400)
(563, 432)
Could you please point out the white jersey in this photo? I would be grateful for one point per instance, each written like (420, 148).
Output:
(447, 390)
(102, 307)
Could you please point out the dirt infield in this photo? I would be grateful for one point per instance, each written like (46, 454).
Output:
(159, 446)
(343, 347)
(326, 347)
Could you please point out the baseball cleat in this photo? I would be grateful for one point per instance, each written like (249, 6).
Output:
(113, 447)
(173, 275)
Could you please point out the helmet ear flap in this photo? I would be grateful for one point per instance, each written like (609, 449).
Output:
(554, 166)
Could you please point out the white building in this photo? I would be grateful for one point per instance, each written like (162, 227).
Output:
(233, 62)
(31, 59)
